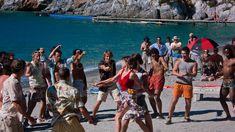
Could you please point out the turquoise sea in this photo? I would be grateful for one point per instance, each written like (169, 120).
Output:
(22, 33)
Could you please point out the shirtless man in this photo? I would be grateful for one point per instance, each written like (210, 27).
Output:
(228, 86)
(184, 69)
(145, 49)
(157, 80)
(79, 81)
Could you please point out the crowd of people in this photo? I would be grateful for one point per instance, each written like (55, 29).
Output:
(61, 85)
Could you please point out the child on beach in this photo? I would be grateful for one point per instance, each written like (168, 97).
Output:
(107, 69)
(208, 73)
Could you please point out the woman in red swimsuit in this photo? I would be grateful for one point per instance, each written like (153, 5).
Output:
(127, 78)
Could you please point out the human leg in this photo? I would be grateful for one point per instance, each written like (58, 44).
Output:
(187, 108)
(148, 121)
(232, 97)
(153, 105)
(96, 108)
(125, 124)
(159, 102)
(142, 125)
(118, 117)
(223, 94)
(43, 109)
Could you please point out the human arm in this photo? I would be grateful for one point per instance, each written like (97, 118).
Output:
(142, 47)
(108, 81)
(175, 70)
(28, 71)
(164, 64)
(53, 51)
(22, 111)
(194, 71)
(18, 103)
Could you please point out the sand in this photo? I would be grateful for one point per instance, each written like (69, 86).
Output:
(206, 114)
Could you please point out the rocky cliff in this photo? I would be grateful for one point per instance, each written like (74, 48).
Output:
(165, 9)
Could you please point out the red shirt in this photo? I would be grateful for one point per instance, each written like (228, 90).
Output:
(125, 82)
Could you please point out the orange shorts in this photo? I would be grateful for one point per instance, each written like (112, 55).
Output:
(186, 90)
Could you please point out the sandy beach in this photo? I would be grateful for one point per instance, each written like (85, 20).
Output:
(207, 114)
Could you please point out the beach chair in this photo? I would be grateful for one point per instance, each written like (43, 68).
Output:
(206, 87)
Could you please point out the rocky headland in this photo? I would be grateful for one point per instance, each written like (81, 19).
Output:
(222, 10)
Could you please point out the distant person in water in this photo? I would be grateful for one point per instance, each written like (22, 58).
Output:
(228, 86)
(107, 69)
(79, 81)
(145, 52)
(157, 81)
(38, 85)
(184, 69)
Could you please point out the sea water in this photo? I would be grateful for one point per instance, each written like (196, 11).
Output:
(23, 32)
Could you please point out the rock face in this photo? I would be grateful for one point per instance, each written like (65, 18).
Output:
(166, 9)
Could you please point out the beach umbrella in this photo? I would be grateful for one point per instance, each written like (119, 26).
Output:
(202, 44)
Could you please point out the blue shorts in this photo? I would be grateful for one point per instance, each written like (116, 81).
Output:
(80, 86)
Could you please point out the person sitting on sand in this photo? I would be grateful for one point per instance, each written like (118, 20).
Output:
(64, 100)
(205, 57)
(107, 69)
(157, 81)
(208, 73)
(228, 85)
(79, 81)
(127, 78)
(38, 85)
(217, 60)
(184, 69)
(14, 103)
